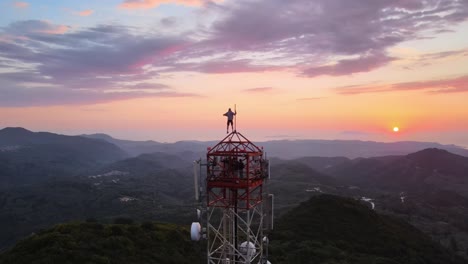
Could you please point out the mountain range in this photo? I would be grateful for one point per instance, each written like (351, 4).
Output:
(47, 179)
(428, 169)
(27, 157)
(289, 149)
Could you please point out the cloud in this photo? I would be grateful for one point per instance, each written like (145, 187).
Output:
(435, 57)
(310, 38)
(453, 85)
(168, 21)
(15, 96)
(106, 62)
(27, 27)
(444, 54)
(147, 86)
(349, 66)
(259, 90)
(220, 66)
(314, 33)
(98, 51)
(85, 12)
(21, 4)
(149, 4)
(310, 98)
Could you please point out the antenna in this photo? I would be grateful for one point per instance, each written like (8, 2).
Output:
(195, 231)
(196, 165)
(235, 118)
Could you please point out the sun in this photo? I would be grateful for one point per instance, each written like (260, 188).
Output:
(396, 129)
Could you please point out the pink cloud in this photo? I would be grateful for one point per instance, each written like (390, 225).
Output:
(21, 4)
(454, 85)
(85, 12)
(221, 66)
(148, 4)
(27, 27)
(364, 63)
(55, 30)
(259, 90)
(310, 98)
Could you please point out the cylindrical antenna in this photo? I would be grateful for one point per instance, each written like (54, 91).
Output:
(235, 118)
(196, 165)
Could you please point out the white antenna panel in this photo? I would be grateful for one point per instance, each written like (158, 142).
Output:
(195, 231)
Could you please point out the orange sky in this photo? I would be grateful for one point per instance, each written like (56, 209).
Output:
(418, 83)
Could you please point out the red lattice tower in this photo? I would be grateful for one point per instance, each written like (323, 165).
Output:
(238, 208)
(235, 173)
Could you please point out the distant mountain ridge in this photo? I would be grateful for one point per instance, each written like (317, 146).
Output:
(290, 149)
(27, 157)
(136, 148)
(17, 136)
(420, 171)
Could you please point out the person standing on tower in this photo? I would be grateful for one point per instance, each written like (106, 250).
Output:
(230, 115)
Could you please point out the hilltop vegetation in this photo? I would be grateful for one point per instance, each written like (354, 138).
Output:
(96, 243)
(325, 229)
(331, 229)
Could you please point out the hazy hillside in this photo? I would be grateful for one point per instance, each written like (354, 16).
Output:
(27, 157)
(349, 148)
(136, 148)
(331, 229)
(151, 186)
(429, 168)
(293, 182)
(289, 149)
(427, 188)
(80, 243)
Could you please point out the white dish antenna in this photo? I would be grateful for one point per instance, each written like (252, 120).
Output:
(247, 249)
(195, 231)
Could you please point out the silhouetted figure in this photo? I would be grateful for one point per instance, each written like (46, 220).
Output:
(230, 115)
(226, 165)
(240, 167)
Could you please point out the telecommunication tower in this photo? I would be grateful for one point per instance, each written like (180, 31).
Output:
(236, 209)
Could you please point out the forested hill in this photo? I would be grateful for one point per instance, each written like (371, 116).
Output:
(325, 229)
(331, 229)
(79, 243)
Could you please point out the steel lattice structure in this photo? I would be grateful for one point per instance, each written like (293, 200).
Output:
(235, 193)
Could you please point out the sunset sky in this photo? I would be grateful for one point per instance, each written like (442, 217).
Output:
(167, 70)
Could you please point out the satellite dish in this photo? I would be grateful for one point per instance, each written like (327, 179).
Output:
(195, 231)
(247, 249)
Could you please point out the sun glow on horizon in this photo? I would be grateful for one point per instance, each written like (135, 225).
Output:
(396, 129)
